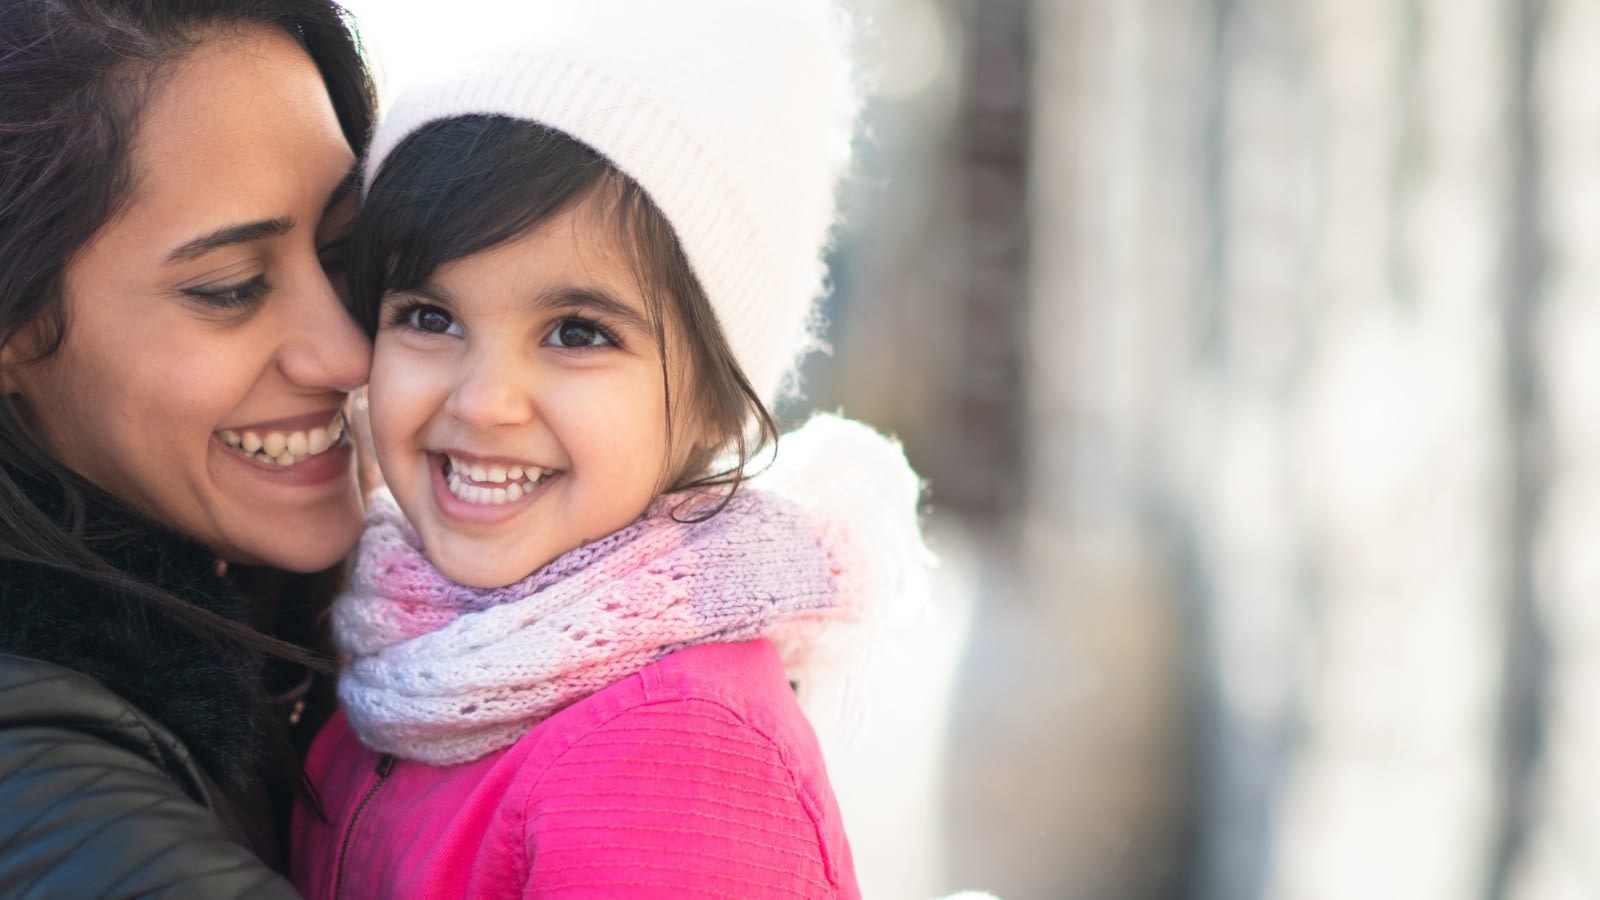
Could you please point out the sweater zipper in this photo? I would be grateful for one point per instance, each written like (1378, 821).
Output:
(385, 766)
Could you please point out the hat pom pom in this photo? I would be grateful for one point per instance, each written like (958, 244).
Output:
(865, 498)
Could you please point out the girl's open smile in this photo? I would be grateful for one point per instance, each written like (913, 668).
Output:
(494, 484)
(518, 400)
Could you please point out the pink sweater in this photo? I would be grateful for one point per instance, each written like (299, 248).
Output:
(696, 777)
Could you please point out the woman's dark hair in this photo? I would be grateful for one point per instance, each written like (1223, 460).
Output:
(74, 77)
(466, 184)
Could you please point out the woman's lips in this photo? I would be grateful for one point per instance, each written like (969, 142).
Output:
(275, 444)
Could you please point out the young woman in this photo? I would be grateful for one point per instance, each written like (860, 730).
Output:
(175, 189)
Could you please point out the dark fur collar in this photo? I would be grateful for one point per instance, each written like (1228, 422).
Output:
(207, 695)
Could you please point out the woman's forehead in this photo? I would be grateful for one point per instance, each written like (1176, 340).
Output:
(239, 133)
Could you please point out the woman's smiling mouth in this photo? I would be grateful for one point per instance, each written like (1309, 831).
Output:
(283, 447)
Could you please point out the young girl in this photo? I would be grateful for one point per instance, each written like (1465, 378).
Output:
(588, 265)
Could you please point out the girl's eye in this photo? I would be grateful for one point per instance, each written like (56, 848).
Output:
(230, 297)
(574, 333)
(431, 320)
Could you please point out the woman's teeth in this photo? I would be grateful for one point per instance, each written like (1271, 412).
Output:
(491, 485)
(285, 448)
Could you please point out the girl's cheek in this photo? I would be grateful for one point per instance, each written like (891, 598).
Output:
(402, 386)
(396, 366)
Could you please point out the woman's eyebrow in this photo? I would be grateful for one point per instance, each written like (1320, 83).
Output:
(255, 231)
(230, 235)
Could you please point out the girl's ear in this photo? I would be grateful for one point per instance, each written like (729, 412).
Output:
(692, 442)
(696, 441)
(701, 436)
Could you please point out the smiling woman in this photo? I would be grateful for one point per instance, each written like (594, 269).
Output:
(175, 357)
(214, 264)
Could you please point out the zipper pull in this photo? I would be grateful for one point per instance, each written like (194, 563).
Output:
(385, 765)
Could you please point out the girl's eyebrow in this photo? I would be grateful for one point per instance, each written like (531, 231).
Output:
(427, 291)
(589, 298)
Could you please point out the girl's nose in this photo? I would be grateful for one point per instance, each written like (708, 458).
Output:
(492, 390)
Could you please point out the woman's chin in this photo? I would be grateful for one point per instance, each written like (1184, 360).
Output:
(310, 547)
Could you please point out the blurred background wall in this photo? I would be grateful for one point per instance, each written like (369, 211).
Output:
(1251, 351)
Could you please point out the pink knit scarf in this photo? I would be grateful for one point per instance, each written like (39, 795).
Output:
(445, 674)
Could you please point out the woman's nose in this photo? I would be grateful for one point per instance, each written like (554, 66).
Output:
(327, 349)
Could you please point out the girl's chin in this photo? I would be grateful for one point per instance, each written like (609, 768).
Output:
(480, 564)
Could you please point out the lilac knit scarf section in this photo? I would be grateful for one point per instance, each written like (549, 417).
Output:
(445, 674)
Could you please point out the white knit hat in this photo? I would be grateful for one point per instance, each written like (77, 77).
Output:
(735, 116)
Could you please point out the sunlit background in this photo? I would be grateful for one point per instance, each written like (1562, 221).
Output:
(1251, 350)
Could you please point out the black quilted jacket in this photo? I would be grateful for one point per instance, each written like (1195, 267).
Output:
(130, 749)
(99, 800)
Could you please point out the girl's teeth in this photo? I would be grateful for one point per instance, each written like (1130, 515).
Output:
(251, 442)
(274, 443)
(298, 444)
(518, 481)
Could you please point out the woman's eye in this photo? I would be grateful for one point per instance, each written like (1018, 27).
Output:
(334, 255)
(248, 293)
(334, 258)
(432, 320)
(573, 333)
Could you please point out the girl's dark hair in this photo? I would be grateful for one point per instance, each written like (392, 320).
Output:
(74, 77)
(466, 184)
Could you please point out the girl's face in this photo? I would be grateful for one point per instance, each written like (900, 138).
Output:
(201, 322)
(517, 400)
